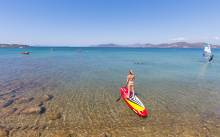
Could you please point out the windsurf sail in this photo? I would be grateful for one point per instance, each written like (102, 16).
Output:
(207, 50)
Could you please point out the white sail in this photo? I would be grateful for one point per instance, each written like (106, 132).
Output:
(207, 50)
(207, 53)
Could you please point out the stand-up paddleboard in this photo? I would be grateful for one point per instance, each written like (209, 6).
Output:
(134, 103)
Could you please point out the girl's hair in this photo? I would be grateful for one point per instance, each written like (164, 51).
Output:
(131, 72)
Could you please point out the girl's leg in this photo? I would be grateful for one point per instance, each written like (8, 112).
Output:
(132, 89)
(129, 91)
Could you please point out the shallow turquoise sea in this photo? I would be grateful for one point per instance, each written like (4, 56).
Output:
(180, 89)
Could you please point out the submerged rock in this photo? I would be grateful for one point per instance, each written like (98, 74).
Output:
(7, 92)
(42, 127)
(47, 97)
(10, 111)
(8, 96)
(1, 101)
(3, 132)
(6, 103)
(106, 134)
(54, 116)
(58, 133)
(34, 110)
(40, 103)
(24, 127)
(24, 100)
(25, 133)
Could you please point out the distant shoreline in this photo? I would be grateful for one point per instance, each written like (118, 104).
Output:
(183, 45)
(14, 46)
(163, 45)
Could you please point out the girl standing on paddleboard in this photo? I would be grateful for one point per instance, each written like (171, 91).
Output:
(130, 83)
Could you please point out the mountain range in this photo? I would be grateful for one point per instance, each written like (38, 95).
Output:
(13, 46)
(147, 45)
(163, 45)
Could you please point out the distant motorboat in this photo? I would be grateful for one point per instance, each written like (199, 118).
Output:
(207, 53)
(26, 52)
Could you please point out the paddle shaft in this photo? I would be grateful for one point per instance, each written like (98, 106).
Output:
(118, 99)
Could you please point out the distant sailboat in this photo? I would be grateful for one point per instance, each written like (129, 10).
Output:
(207, 52)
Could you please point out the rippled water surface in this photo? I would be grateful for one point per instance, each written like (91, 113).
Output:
(179, 88)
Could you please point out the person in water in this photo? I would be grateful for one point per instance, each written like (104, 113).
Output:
(130, 83)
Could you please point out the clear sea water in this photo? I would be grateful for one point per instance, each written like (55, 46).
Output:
(180, 89)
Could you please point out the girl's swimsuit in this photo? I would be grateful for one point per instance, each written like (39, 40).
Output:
(131, 82)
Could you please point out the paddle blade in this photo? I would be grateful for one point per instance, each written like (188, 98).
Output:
(118, 99)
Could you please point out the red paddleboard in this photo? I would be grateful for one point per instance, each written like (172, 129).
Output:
(134, 103)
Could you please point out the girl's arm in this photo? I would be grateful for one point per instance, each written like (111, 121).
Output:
(126, 82)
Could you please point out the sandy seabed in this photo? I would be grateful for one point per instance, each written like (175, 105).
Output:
(75, 111)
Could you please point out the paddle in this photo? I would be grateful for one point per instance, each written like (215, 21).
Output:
(120, 96)
(118, 99)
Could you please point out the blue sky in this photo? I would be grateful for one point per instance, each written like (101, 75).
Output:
(86, 22)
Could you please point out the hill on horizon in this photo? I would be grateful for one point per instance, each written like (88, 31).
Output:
(162, 45)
